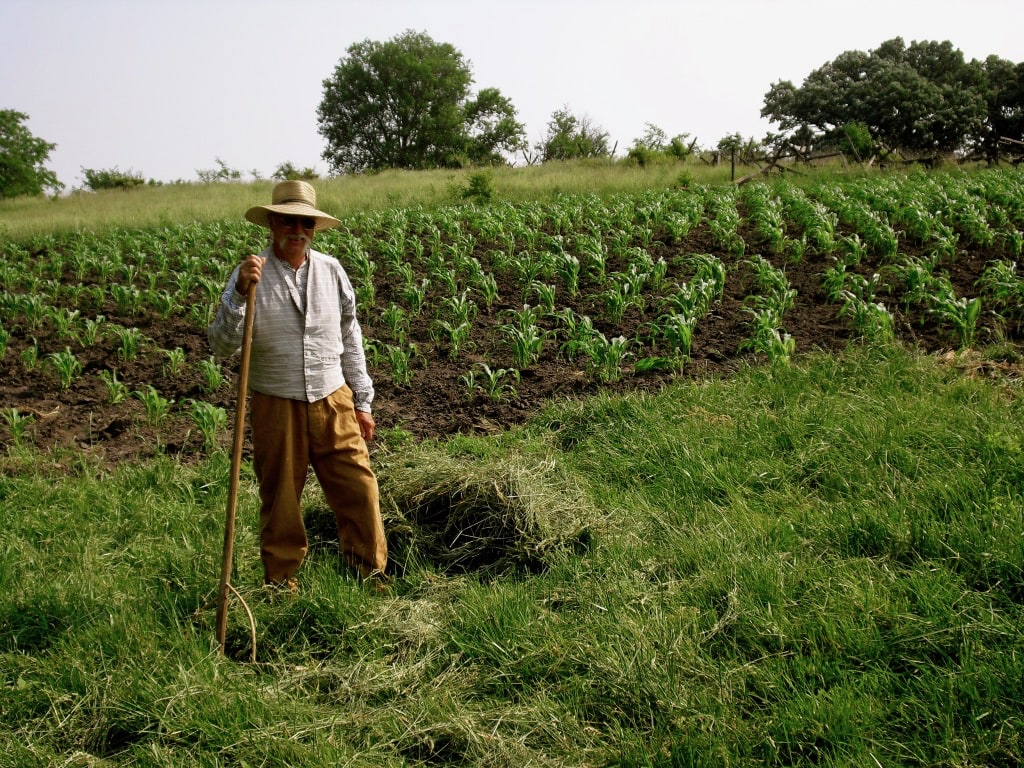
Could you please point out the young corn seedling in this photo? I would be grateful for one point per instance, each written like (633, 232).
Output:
(175, 361)
(677, 331)
(492, 383)
(525, 337)
(33, 310)
(210, 420)
(117, 391)
(30, 356)
(17, 424)
(606, 357)
(130, 340)
(871, 321)
(5, 337)
(65, 322)
(545, 294)
(210, 374)
(156, 406)
(460, 309)
(400, 360)
(396, 322)
(487, 285)
(67, 366)
(91, 328)
(576, 331)
(454, 335)
(568, 267)
(960, 312)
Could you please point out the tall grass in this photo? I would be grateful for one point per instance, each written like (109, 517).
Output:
(814, 564)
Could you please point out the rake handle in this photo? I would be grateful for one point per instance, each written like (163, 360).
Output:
(236, 465)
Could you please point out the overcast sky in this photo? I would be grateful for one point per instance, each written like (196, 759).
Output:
(164, 88)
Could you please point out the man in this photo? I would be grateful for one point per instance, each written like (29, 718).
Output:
(310, 392)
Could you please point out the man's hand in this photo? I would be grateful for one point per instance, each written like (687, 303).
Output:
(366, 424)
(249, 273)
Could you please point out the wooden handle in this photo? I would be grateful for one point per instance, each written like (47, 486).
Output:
(236, 465)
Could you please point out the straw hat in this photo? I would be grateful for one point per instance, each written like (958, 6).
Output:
(295, 198)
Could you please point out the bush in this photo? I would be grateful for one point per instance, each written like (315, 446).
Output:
(112, 178)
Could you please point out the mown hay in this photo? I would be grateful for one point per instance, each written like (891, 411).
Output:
(487, 516)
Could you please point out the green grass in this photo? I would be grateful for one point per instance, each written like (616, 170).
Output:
(820, 564)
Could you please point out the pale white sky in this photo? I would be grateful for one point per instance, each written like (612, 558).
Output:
(165, 87)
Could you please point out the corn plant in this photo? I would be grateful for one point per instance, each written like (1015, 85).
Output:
(959, 311)
(455, 335)
(67, 366)
(487, 285)
(526, 339)
(400, 360)
(127, 298)
(1001, 283)
(545, 293)
(91, 328)
(492, 383)
(460, 308)
(130, 340)
(164, 302)
(117, 391)
(30, 356)
(5, 337)
(577, 332)
(396, 322)
(210, 374)
(677, 331)
(33, 310)
(210, 420)
(156, 406)
(17, 424)
(767, 336)
(65, 322)
(871, 320)
(174, 362)
(605, 357)
(568, 268)
(414, 295)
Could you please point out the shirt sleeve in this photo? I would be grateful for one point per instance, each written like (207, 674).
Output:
(353, 357)
(225, 332)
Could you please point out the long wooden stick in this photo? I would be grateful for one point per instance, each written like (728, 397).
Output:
(236, 465)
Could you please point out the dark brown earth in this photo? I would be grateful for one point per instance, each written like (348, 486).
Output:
(436, 403)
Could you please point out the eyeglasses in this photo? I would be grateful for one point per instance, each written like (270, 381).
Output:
(288, 221)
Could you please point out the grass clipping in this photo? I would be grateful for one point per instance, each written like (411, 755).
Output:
(483, 515)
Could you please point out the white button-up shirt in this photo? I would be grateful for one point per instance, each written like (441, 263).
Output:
(306, 341)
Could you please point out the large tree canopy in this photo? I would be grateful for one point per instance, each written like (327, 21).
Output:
(405, 103)
(21, 158)
(921, 98)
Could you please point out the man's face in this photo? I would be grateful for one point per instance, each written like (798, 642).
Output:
(292, 234)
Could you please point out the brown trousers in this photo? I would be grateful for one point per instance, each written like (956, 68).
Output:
(288, 436)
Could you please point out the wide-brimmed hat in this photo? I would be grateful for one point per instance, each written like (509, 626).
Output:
(295, 198)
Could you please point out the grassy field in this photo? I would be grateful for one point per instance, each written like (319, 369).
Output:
(814, 562)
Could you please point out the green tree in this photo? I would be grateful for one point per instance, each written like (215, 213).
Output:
(21, 158)
(287, 171)
(492, 131)
(1003, 91)
(921, 98)
(405, 103)
(570, 137)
